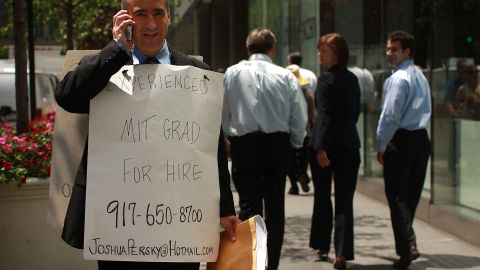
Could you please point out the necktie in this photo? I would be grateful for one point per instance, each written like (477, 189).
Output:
(151, 60)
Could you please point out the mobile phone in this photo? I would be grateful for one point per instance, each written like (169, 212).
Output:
(129, 30)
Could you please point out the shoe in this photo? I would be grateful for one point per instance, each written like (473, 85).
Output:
(406, 260)
(323, 255)
(340, 263)
(414, 253)
(293, 191)
(303, 179)
(402, 263)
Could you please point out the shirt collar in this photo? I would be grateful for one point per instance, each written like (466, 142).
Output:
(260, 56)
(163, 56)
(403, 65)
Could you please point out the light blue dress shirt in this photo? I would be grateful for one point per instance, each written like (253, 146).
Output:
(261, 96)
(163, 56)
(407, 103)
(138, 57)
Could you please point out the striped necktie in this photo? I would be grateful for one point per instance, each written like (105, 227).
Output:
(151, 60)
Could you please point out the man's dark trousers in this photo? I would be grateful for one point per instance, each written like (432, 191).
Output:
(405, 165)
(121, 265)
(259, 167)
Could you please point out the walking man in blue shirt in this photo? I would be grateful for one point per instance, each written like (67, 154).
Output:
(264, 115)
(402, 142)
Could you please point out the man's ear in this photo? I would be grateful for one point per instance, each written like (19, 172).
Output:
(169, 17)
(409, 51)
(272, 51)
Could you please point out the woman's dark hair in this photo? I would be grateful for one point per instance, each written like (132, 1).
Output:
(339, 47)
(406, 39)
(260, 40)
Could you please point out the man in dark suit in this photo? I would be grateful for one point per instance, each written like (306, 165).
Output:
(150, 20)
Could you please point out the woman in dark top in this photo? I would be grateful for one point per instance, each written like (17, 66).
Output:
(335, 145)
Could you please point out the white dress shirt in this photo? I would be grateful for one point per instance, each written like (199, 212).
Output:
(261, 96)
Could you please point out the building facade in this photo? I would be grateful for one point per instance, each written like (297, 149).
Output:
(446, 36)
(447, 50)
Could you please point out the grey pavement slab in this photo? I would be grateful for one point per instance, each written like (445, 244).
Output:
(374, 246)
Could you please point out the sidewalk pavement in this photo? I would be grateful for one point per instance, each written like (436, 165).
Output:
(374, 246)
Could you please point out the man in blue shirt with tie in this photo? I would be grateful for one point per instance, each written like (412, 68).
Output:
(402, 142)
(150, 20)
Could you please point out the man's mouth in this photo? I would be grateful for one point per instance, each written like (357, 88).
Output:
(150, 35)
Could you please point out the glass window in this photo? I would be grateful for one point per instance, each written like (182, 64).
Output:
(447, 49)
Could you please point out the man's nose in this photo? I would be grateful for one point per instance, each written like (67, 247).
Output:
(151, 23)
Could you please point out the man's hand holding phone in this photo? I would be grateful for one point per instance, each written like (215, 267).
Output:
(122, 26)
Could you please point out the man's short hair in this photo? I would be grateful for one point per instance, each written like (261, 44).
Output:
(295, 58)
(125, 4)
(260, 40)
(406, 40)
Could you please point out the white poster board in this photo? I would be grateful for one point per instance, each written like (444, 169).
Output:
(69, 141)
(152, 183)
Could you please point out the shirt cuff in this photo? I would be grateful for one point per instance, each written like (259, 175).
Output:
(381, 147)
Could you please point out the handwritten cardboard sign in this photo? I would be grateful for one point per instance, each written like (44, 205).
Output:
(68, 142)
(152, 192)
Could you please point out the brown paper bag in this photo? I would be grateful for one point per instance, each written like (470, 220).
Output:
(248, 252)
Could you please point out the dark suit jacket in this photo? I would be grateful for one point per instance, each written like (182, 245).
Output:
(73, 94)
(338, 106)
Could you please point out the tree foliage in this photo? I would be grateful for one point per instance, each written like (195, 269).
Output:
(76, 24)
(82, 24)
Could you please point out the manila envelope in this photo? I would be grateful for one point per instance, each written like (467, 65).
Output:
(248, 252)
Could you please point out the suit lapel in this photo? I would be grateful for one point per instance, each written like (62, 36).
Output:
(179, 59)
(176, 58)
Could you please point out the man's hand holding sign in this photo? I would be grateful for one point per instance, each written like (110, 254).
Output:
(154, 155)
